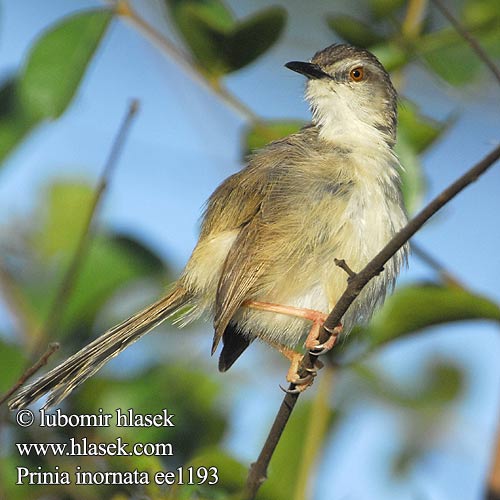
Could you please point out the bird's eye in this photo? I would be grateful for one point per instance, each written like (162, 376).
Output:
(357, 74)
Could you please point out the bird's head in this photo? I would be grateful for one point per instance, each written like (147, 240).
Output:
(350, 93)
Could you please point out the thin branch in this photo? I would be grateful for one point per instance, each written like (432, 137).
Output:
(51, 349)
(494, 479)
(343, 265)
(414, 18)
(258, 470)
(123, 9)
(373, 267)
(68, 281)
(474, 44)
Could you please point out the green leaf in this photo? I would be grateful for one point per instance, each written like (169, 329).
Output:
(456, 64)
(384, 8)
(220, 44)
(65, 211)
(191, 395)
(481, 12)
(416, 307)
(415, 134)
(231, 476)
(12, 365)
(413, 182)
(57, 63)
(117, 265)
(353, 31)
(441, 383)
(254, 36)
(14, 122)
(451, 57)
(213, 12)
(420, 131)
(117, 260)
(262, 133)
(391, 55)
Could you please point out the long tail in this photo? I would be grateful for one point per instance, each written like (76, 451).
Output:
(63, 379)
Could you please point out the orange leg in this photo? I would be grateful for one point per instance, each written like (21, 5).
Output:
(317, 317)
(311, 344)
(295, 358)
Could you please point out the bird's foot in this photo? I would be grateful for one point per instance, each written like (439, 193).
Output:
(312, 343)
(300, 383)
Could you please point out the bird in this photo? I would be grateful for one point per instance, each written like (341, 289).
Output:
(264, 264)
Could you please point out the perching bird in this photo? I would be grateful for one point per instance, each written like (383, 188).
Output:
(264, 263)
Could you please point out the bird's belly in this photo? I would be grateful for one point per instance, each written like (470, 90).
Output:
(282, 328)
(316, 282)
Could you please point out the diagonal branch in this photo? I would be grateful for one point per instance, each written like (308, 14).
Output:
(258, 470)
(474, 44)
(51, 349)
(67, 284)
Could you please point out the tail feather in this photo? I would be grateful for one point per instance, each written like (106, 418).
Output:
(63, 379)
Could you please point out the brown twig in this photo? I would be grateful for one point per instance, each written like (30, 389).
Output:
(343, 265)
(414, 18)
(124, 9)
(474, 44)
(66, 286)
(258, 470)
(51, 349)
(494, 479)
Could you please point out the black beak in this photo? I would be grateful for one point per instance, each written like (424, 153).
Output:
(308, 69)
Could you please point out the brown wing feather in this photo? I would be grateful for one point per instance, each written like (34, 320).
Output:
(242, 270)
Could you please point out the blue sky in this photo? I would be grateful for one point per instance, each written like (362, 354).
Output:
(185, 141)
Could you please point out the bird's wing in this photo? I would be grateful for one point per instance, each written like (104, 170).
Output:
(242, 269)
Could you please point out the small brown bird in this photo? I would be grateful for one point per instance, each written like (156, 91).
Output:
(264, 263)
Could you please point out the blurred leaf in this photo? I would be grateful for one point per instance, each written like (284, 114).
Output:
(219, 43)
(415, 134)
(384, 8)
(202, 34)
(213, 12)
(457, 64)
(117, 264)
(115, 259)
(441, 383)
(480, 11)
(65, 210)
(231, 477)
(14, 122)
(451, 57)
(12, 365)
(284, 467)
(57, 62)
(413, 182)
(186, 391)
(413, 308)
(419, 131)
(254, 36)
(391, 55)
(353, 31)
(264, 132)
